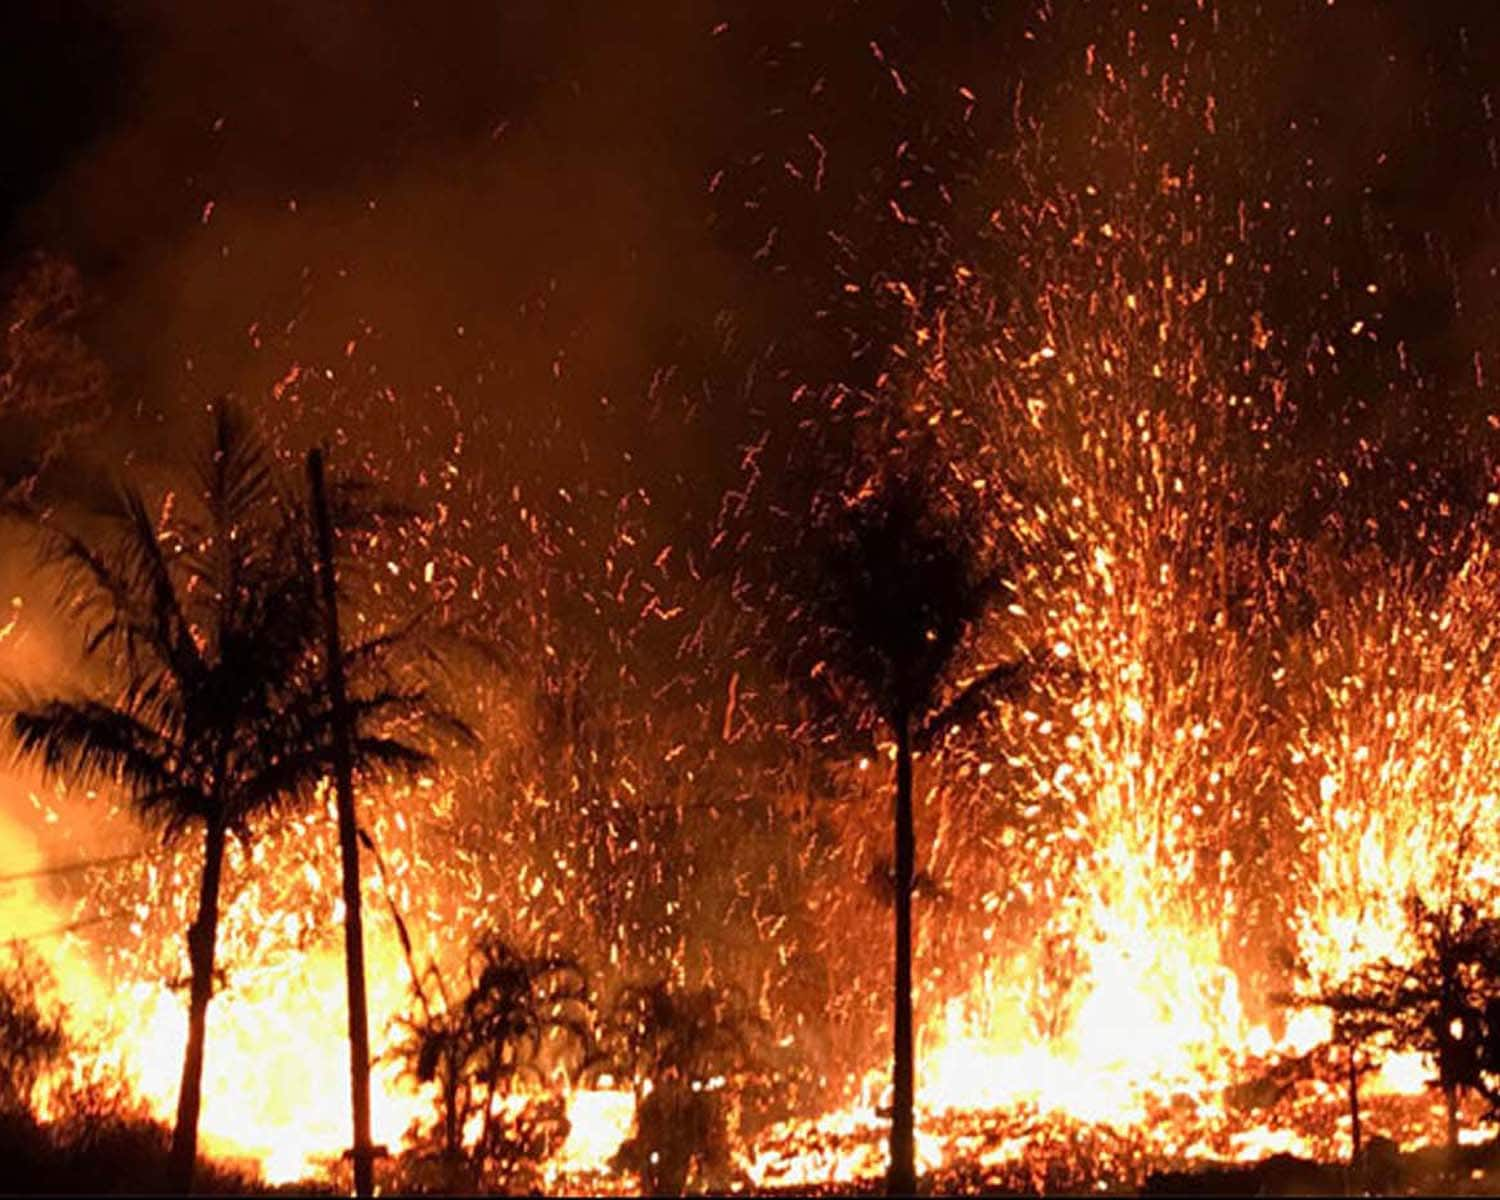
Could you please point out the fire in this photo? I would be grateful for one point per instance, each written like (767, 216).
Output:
(600, 1119)
(1249, 744)
(1223, 782)
(1110, 836)
(276, 1074)
(276, 1070)
(1409, 719)
(1104, 992)
(1100, 968)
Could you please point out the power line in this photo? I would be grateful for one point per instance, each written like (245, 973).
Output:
(64, 930)
(88, 864)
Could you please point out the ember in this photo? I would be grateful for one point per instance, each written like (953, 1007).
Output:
(1069, 431)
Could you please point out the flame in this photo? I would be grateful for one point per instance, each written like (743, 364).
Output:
(276, 1064)
(1405, 751)
(276, 1068)
(1203, 776)
(600, 1120)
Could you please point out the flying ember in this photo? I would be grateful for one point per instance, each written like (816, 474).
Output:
(797, 603)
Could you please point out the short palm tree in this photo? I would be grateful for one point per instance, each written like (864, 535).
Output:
(685, 1050)
(212, 627)
(521, 1016)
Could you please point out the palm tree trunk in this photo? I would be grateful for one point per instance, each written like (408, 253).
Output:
(1355, 1132)
(902, 1180)
(1450, 1102)
(202, 936)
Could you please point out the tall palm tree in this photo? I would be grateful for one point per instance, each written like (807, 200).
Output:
(898, 577)
(212, 625)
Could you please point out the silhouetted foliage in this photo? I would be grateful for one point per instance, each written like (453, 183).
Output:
(898, 573)
(53, 388)
(98, 1135)
(32, 1035)
(211, 621)
(690, 1053)
(522, 1020)
(100, 1150)
(1444, 1002)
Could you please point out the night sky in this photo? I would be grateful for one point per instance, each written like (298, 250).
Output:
(599, 289)
(517, 215)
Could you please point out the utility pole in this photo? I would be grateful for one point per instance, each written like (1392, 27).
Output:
(363, 1152)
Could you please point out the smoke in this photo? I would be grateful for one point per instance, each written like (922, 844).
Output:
(503, 204)
(527, 261)
(554, 267)
(538, 256)
(535, 208)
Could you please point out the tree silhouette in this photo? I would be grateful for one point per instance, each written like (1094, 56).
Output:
(212, 623)
(32, 1034)
(1444, 1002)
(53, 388)
(898, 575)
(683, 1049)
(520, 1016)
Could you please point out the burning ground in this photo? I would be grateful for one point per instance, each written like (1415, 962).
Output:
(1190, 315)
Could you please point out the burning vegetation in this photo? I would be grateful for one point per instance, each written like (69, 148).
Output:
(1033, 729)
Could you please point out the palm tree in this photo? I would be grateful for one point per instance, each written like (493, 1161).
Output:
(687, 1050)
(898, 577)
(521, 1016)
(213, 626)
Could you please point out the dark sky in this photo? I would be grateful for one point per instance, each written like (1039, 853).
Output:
(534, 209)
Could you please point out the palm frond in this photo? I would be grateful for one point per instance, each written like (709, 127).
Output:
(285, 778)
(414, 709)
(293, 777)
(217, 632)
(374, 652)
(92, 740)
(97, 590)
(173, 808)
(389, 756)
(1004, 681)
(234, 475)
(890, 582)
(162, 619)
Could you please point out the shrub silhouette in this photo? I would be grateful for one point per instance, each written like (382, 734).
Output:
(520, 1022)
(32, 1038)
(1444, 1002)
(688, 1053)
(98, 1136)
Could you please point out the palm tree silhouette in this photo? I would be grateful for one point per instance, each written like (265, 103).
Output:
(213, 626)
(899, 575)
(522, 1015)
(680, 1047)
